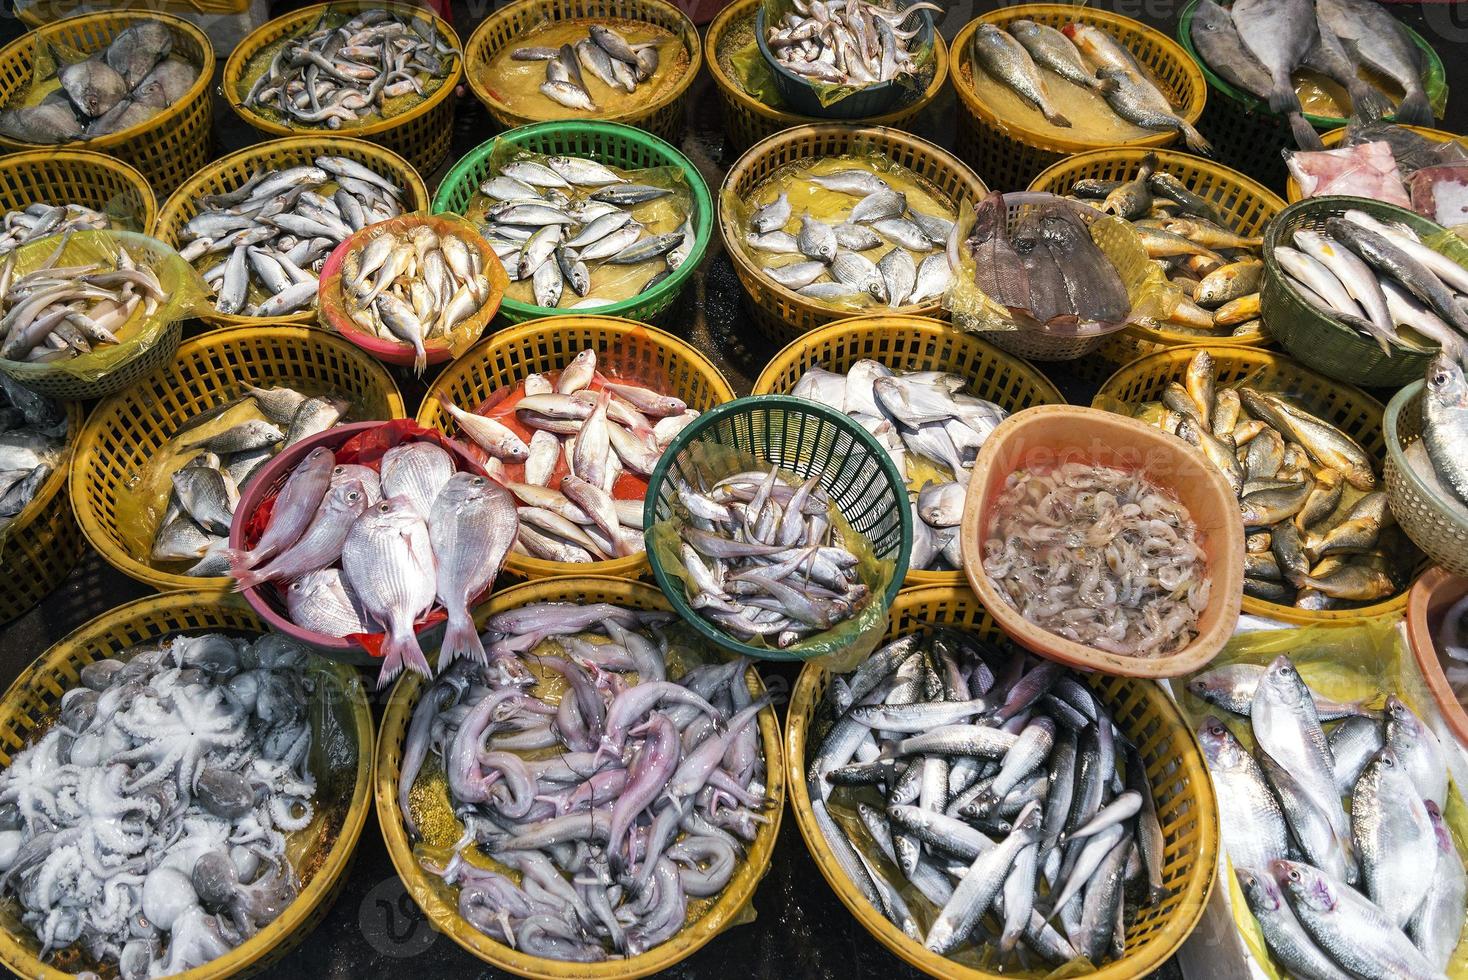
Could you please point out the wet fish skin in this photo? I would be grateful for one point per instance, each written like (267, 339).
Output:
(295, 506)
(1418, 750)
(470, 528)
(1286, 938)
(1394, 837)
(321, 602)
(1445, 423)
(1438, 922)
(1053, 50)
(1006, 60)
(387, 560)
(1139, 102)
(1376, 39)
(1254, 831)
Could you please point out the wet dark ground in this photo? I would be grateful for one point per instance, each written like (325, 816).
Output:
(801, 930)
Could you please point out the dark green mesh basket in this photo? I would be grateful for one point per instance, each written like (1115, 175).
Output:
(805, 439)
(1316, 338)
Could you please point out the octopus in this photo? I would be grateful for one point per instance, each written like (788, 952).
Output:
(148, 825)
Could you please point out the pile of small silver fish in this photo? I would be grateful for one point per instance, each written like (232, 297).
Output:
(645, 802)
(361, 550)
(605, 53)
(1260, 45)
(981, 776)
(763, 559)
(342, 75)
(278, 227)
(1048, 268)
(127, 83)
(556, 220)
(834, 270)
(206, 489)
(146, 830)
(1077, 54)
(33, 432)
(1374, 276)
(846, 42)
(39, 220)
(1307, 492)
(413, 286)
(1375, 889)
(1444, 431)
(1100, 556)
(1218, 270)
(930, 429)
(57, 312)
(586, 431)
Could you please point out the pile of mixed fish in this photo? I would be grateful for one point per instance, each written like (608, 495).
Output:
(40, 220)
(614, 804)
(353, 72)
(1440, 457)
(364, 548)
(568, 221)
(1100, 556)
(1047, 269)
(1373, 889)
(1083, 56)
(932, 431)
(575, 447)
(1386, 162)
(1218, 271)
(33, 432)
(763, 559)
(877, 245)
(206, 474)
(57, 312)
(1375, 276)
(1270, 48)
(987, 781)
(846, 42)
(278, 227)
(127, 83)
(1307, 492)
(147, 828)
(605, 53)
(413, 285)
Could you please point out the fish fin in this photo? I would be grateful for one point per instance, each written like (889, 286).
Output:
(1195, 139)
(1054, 118)
(242, 570)
(461, 639)
(1306, 138)
(1415, 110)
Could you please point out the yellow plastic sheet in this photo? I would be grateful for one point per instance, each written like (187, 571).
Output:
(1366, 659)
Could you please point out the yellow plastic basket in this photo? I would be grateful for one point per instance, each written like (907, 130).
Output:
(126, 429)
(662, 115)
(164, 149)
(781, 314)
(227, 173)
(31, 704)
(439, 903)
(1145, 716)
(1335, 137)
(747, 120)
(1244, 203)
(420, 135)
(1008, 154)
(548, 344)
(39, 548)
(84, 177)
(912, 343)
(1345, 406)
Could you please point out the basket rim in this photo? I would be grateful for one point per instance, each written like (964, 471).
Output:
(674, 590)
(82, 462)
(1424, 648)
(1337, 136)
(883, 137)
(1175, 931)
(731, 90)
(404, 697)
(687, 33)
(164, 118)
(75, 420)
(1144, 366)
(1394, 451)
(415, 189)
(1434, 78)
(342, 850)
(629, 566)
(1049, 141)
(703, 205)
(239, 58)
(101, 161)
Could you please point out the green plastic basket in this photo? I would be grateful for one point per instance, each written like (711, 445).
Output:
(615, 145)
(1429, 519)
(1316, 338)
(1249, 136)
(803, 438)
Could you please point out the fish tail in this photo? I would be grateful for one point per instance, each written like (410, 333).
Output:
(460, 638)
(1415, 110)
(242, 570)
(420, 358)
(1195, 139)
(1054, 118)
(1369, 103)
(1306, 138)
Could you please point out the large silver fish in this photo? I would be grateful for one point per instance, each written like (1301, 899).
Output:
(387, 560)
(470, 527)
